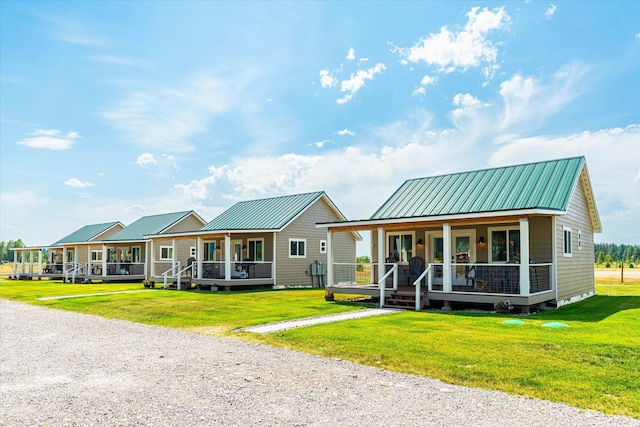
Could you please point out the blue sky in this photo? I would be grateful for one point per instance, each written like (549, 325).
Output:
(115, 110)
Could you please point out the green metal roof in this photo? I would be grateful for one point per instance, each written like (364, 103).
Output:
(263, 214)
(86, 233)
(543, 185)
(152, 224)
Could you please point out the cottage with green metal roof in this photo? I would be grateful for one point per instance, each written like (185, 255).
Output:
(65, 255)
(522, 233)
(259, 243)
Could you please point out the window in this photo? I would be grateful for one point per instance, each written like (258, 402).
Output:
(166, 253)
(579, 240)
(566, 246)
(136, 254)
(297, 248)
(255, 249)
(192, 251)
(96, 255)
(505, 245)
(323, 246)
(400, 246)
(70, 255)
(209, 251)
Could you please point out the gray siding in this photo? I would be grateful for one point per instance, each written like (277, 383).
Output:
(575, 274)
(293, 271)
(541, 239)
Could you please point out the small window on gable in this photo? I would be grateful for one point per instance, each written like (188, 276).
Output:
(297, 248)
(579, 240)
(166, 253)
(566, 246)
(323, 246)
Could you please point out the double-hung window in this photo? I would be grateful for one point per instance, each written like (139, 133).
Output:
(96, 255)
(297, 248)
(505, 245)
(209, 251)
(166, 253)
(255, 252)
(567, 250)
(400, 246)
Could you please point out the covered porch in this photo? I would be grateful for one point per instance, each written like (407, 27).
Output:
(213, 261)
(467, 261)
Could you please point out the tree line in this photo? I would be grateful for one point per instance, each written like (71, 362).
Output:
(6, 254)
(611, 254)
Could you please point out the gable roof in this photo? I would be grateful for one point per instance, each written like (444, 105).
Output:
(87, 233)
(542, 187)
(265, 214)
(545, 185)
(151, 224)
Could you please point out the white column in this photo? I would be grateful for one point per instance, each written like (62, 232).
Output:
(381, 266)
(64, 259)
(30, 263)
(525, 286)
(22, 265)
(273, 257)
(40, 261)
(89, 271)
(104, 259)
(152, 260)
(146, 259)
(446, 249)
(199, 254)
(227, 257)
(329, 259)
(15, 264)
(173, 258)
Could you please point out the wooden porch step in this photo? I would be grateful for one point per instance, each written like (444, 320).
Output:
(405, 300)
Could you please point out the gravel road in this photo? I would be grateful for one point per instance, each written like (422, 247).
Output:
(60, 368)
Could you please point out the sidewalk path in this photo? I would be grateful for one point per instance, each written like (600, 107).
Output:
(308, 321)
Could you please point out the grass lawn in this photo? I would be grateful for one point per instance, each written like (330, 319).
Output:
(594, 363)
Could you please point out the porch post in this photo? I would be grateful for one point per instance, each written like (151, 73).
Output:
(152, 260)
(227, 257)
(525, 286)
(40, 261)
(199, 253)
(89, 260)
(15, 264)
(174, 267)
(30, 263)
(146, 259)
(22, 266)
(64, 261)
(329, 260)
(104, 259)
(381, 264)
(446, 249)
(273, 258)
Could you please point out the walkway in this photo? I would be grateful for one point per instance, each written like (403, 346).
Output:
(308, 321)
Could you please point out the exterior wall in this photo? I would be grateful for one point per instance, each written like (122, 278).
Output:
(541, 239)
(575, 275)
(293, 271)
(108, 233)
(183, 250)
(189, 223)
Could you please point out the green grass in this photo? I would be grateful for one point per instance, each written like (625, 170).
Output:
(594, 363)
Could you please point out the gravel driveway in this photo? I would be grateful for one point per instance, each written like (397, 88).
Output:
(61, 368)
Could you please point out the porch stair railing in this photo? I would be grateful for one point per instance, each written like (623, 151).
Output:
(418, 285)
(75, 270)
(382, 282)
(179, 274)
(170, 271)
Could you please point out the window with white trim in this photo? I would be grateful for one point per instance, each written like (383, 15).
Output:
(209, 251)
(297, 248)
(323, 246)
(566, 242)
(255, 252)
(504, 244)
(192, 251)
(96, 255)
(166, 253)
(400, 246)
(579, 240)
(136, 254)
(70, 255)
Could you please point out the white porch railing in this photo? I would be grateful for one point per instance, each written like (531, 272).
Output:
(500, 279)
(239, 270)
(382, 283)
(418, 285)
(172, 271)
(73, 270)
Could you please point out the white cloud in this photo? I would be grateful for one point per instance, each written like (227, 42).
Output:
(145, 160)
(550, 11)
(470, 47)
(345, 131)
(351, 55)
(50, 139)
(638, 36)
(357, 81)
(75, 182)
(426, 81)
(166, 118)
(321, 144)
(326, 79)
(71, 30)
